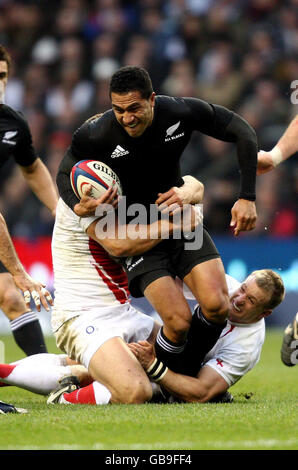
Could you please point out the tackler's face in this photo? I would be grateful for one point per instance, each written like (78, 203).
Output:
(133, 112)
(248, 302)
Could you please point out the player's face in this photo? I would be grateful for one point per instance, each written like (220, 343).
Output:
(3, 73)
(248, 302)
(133, 112)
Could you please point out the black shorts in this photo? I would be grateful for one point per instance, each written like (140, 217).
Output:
(168, 258)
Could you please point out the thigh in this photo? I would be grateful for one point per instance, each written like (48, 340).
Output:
(143, 269)
(165, 296)
(82, 335)
(207, 282)
(184, 260)
(115, 366)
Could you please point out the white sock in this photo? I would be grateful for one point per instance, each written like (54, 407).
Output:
(36, 378)
(45, 359)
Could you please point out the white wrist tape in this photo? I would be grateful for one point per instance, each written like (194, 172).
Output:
(276, 155)
(157, 370)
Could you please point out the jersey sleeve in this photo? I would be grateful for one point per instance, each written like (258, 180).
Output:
(223, 124)
(233, 360)
(80, 149)
(24, 152)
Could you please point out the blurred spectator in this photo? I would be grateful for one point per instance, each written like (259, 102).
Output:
(218, 80)
(180, 80)
(240, 54)
(70, 96)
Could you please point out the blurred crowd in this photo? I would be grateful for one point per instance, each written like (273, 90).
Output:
(241, 54)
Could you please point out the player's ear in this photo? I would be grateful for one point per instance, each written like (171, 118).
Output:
(267, 312)
(152, 99)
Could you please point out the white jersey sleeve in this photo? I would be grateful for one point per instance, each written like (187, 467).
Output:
(239, 347)
(237, 351)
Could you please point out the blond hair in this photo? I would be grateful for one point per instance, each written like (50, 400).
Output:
(272, 283)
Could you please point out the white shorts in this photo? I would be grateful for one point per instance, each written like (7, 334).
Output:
(81, 336)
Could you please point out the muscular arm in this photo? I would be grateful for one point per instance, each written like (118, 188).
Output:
(129, 240)
(41, 183)
(8, 255)
(223, 124)
(243, 213)
(81, 148)
(203, 388)
(63, 182)
(120, 244)
(23, 281)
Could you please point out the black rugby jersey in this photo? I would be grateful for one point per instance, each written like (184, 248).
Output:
(15, 138)
(149, 164)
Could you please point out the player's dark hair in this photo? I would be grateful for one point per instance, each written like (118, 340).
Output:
(4, 56)
(131, 78)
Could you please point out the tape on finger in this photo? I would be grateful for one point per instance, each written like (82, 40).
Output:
(46, 293)
(35, 297)
(27, 296)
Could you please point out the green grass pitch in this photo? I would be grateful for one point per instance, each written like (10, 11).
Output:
(262, 417)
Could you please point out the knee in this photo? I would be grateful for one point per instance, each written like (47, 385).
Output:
(178, 322)
(216, 308)
(137, 392)
(12, 303)
(180, 327)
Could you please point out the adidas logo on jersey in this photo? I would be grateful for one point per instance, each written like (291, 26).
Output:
(119, 152)
(9, 135)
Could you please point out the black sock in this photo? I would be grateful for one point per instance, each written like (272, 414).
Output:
(28, 334)
(167, 351)
(202, 336)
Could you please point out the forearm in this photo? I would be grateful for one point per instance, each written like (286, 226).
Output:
(185, 388)
(126, 240)
(207, 385)
(288, 143)
(8, 255)
(41, 183)
(240, 132)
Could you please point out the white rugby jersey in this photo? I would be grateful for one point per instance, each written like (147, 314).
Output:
(84, 275)
(239, 347)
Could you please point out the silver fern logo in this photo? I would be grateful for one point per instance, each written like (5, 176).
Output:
(8, 136)
(171, 130)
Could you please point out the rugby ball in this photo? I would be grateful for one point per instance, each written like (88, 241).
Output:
(99, 175)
